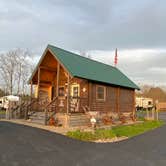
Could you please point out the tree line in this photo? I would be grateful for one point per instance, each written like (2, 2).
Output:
(15, 68)
(156, 93)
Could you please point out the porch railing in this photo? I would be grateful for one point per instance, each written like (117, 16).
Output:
(51, 110)
(78, 104)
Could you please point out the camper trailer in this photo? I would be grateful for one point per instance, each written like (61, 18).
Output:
(1, 103)
(143, 103)
(4, 101)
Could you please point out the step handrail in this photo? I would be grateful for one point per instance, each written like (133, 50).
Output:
(50, 103)
(47, 118)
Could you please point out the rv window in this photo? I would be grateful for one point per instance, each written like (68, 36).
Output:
(149, 103)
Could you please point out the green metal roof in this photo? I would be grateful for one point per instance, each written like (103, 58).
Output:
(82, 67)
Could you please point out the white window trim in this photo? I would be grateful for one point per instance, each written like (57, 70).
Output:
(72, 87)
(104, 93)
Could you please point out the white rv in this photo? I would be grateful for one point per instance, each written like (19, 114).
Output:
(144, 103)
(1, 103)
(4, 101)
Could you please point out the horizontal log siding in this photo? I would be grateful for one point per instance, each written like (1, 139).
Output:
(97, 105)
(112, 98)
(125, 100)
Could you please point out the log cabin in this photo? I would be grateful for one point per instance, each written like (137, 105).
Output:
(70, 89)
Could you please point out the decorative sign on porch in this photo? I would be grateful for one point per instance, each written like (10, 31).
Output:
(61, 104)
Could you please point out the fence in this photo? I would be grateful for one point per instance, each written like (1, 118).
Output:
(147, 114)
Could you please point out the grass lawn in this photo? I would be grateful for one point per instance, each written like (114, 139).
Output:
(2, 112)
(119, 131)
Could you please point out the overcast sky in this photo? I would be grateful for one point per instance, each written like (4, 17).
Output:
(136, 28)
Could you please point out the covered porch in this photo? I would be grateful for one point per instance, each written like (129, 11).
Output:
(55, 91)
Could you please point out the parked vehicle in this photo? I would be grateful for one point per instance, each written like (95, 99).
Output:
(1, 103)
(143, 103)
(4, 101)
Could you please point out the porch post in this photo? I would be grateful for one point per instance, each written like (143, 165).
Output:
(57, 81)
(38, 84)
(68, 94)
(31, 94)
(31, 91)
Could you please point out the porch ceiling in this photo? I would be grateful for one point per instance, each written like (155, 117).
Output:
(46, 77)
(48, 70)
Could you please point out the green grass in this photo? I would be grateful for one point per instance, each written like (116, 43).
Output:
(136, 129)
(2, 112)
(128, 131)
(89, 136)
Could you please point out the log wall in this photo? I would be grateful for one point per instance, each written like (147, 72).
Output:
(117, 99)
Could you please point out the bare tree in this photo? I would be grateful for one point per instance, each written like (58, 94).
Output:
(15, 69)
(7, 67)
(22, 70)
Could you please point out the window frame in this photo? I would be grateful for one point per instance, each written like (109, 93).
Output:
(72, 90)
(100, 86)
(60, 96)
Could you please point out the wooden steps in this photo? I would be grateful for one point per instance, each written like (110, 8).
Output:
(79, 119)
(38, 117)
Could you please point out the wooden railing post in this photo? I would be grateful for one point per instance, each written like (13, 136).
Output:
(48, 116)
(45, 116)
(26, 112)
(31, 92)
(57, 81)
(38, 84)
(68, 94)
(38, 89)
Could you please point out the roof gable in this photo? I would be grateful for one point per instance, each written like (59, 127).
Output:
(79, 66)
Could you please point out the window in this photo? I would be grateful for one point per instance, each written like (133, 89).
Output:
(149, 103)
(100, 93)
(61, 91)
(75, 90)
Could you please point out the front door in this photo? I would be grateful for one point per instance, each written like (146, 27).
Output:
(52, 92)
(75, 94)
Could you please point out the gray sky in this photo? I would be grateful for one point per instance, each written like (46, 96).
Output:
(136, 28)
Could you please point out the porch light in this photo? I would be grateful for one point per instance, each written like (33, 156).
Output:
(84, 89)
